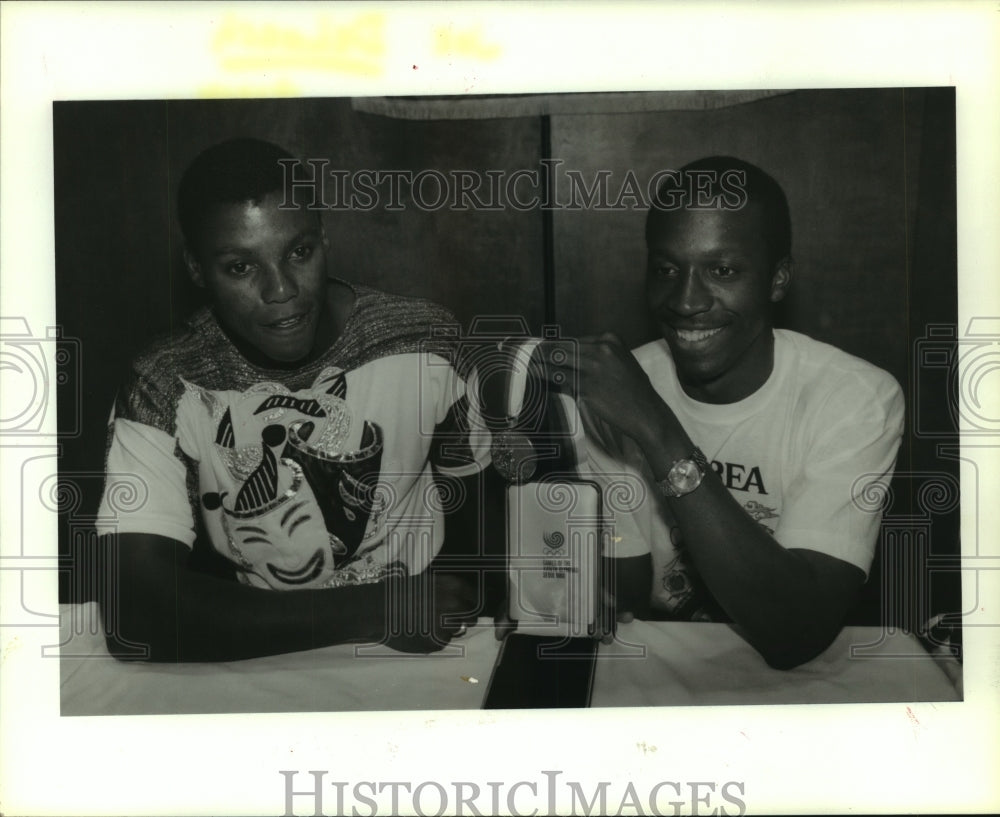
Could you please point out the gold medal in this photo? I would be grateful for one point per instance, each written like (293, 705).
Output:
(513, 456)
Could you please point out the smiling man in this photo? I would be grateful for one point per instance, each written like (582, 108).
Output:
(755, 443)
(296, 428)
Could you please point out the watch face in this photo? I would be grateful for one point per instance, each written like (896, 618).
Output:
(685, 476)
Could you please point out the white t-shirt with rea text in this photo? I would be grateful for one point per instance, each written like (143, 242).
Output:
(807, 456)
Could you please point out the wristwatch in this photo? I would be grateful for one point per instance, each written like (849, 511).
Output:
(684, 475)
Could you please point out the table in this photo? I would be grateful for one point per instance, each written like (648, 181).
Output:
(650, 664)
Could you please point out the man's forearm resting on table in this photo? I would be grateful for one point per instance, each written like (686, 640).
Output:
(183, 615)
(788, 603)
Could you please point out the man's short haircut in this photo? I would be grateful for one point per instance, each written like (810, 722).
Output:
(231, 172)
(760, 189)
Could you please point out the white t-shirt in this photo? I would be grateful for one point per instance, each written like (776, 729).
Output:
(318, 477)
(807, 455)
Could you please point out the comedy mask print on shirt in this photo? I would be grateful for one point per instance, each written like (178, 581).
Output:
(297, 478)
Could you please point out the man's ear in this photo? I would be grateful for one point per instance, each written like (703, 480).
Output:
(781, 279)
(194, 269)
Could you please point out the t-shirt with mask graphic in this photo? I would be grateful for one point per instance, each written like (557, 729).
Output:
(334, 473)
(806, 456)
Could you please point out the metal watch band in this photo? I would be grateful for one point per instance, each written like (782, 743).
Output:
(676, 485)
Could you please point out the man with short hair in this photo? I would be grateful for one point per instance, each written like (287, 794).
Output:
(755, 444)
(296, 427)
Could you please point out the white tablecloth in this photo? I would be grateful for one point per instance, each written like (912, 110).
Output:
(341, 678)
(650, 664)
(686, 664)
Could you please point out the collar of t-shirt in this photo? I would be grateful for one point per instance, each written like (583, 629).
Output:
(681, 402)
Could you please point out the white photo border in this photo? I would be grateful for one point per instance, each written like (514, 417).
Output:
(923, 757)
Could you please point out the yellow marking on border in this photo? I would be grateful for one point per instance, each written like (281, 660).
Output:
(467, 43)
(356, 47)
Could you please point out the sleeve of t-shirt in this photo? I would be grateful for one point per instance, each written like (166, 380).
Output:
(145, 485)
(834, 505)
(461, 440)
